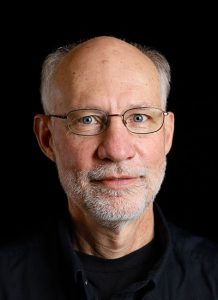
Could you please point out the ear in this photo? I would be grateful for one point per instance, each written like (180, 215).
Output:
(169, 130)
(43, 134)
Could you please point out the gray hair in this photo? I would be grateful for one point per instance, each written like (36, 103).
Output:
(163, 68)
(52, 61)
(49, 68)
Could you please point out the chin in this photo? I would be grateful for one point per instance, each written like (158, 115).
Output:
(114, 214)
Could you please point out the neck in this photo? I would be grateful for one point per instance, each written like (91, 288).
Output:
(94, 239)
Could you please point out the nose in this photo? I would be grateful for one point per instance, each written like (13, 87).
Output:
(117, 142)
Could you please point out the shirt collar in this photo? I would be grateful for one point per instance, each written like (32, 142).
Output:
(162, 235)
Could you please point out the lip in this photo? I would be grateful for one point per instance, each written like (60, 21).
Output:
(117, 182)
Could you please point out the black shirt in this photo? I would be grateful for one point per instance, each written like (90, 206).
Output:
(46, 268)
(112, 276)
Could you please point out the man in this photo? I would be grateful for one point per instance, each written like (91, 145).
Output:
(107, 130)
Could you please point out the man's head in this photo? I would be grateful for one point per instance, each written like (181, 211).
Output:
(113, 176)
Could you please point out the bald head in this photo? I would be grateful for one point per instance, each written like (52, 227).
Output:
(93, 64)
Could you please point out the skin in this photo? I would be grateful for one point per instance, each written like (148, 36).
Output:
(111, 75)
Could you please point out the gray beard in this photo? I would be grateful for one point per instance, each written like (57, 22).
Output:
(109, 207)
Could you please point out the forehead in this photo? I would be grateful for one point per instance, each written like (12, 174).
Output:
(106, 71)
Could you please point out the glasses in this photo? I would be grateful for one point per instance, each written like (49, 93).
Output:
(87, 122)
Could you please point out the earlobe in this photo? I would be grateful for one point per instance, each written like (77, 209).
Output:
(43, 135)
(169, 130)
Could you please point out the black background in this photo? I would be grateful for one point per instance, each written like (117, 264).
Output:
(30, 188)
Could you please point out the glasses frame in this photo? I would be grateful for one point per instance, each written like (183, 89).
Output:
(66, 116)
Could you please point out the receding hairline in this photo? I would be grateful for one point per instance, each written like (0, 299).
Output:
(54, 60)
(72, 49)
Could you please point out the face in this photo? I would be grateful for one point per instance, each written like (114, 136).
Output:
(114, 176)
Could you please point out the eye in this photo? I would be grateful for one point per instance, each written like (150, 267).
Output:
(88, 120)
(139, 118)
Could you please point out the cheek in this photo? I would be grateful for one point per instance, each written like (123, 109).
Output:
(151, 150)
(74, 152)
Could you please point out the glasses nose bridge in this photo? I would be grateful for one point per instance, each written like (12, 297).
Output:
(117, 115)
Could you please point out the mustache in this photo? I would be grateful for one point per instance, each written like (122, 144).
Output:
(115, 170)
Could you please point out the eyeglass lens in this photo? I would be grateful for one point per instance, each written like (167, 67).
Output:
(137, 120)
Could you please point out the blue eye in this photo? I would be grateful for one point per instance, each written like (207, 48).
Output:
(87, 120)
(138, 118)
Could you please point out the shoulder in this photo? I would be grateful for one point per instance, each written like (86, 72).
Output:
(193, 244)
(17, 252)
(26, 251)
(196, 251)
(14, 260)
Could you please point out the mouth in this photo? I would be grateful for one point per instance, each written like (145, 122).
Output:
(120, 182)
